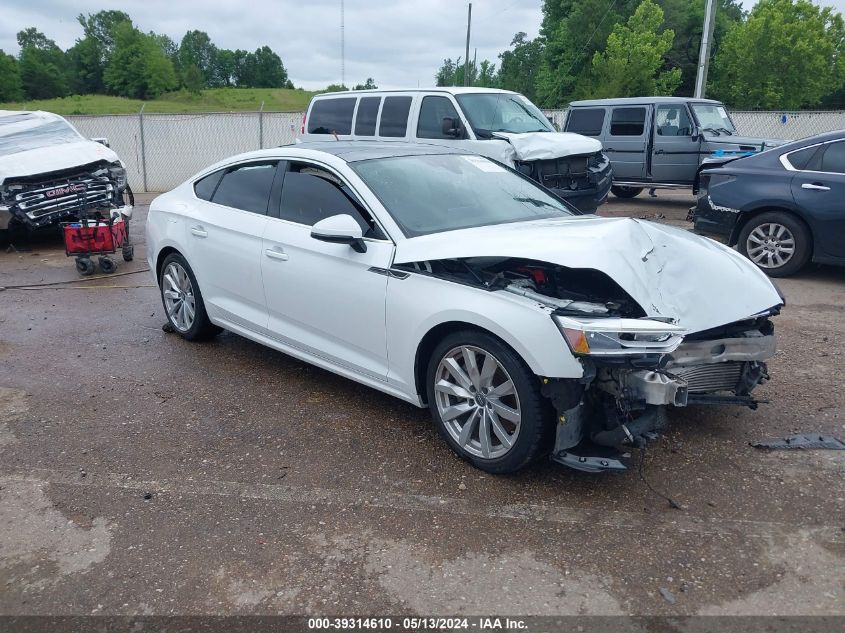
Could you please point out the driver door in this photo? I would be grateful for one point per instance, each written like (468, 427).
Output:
(674, 156)
(326, 299)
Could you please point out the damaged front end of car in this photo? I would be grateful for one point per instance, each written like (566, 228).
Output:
(41, 200)
(634, 365)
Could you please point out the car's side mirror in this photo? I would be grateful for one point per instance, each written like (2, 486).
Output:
(696, 133)
(101, 140)
(452, 127)
(340, 229)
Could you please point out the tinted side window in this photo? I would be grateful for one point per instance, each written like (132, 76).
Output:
(587, 121)
(394, 116)
(246, 187)
(805, 158)
(833, 160)
(204, 187)
(331, 116)
(432, 112)
(627, 122)
(310, 194)
(365, 121)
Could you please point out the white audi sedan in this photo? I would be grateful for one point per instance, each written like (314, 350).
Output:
(455, 283)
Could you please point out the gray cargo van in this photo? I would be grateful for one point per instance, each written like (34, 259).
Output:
(658, 142)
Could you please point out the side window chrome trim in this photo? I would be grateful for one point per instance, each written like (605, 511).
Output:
(784, 159)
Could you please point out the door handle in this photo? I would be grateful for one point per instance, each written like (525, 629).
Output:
(609, 149)
(659, 151)
(199, 231)
(274, 253)
(814, 187)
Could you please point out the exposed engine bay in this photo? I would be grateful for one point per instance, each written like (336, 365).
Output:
(634, 366)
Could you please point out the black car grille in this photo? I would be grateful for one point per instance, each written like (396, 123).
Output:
(64, 195)
(710, 378)
(571, 172)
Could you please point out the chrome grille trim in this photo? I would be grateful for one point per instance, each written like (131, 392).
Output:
(35, 203)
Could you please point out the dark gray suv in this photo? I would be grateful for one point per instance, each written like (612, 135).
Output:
(658, 142)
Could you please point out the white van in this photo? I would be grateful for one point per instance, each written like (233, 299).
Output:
(500, 124)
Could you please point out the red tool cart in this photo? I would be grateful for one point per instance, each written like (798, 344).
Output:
(98, 236)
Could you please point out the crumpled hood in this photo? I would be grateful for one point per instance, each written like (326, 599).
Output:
(54, 157)
(669, 272)
(548, 145)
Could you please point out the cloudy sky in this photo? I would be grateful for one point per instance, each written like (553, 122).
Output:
(397, 42)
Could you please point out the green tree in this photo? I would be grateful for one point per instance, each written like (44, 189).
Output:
(11, 87)
(446, 73)
(685, 18)
(192, 79)
(370, 84)
(630, 64)
(225, 65)
(197, 50)
(519, 65)
(788, 54)
(571, 33)
(43, 66)
(269, 70)
(86, 66)
(138, 67)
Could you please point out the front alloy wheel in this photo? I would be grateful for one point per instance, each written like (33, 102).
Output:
(486, 402)
(477, 402)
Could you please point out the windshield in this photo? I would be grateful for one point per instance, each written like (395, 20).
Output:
(502, 112)
(23, 132)
(713, 118)
(434, 193)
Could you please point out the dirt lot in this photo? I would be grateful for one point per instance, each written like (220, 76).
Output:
(140, 474)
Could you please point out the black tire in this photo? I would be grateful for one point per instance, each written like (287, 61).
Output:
(201, 327)
(107, 265)
(536, 426)
(801, 237)
(626, 192)
(84, 266)
(128, 253)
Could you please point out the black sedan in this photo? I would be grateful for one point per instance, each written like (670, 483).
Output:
(781, 208)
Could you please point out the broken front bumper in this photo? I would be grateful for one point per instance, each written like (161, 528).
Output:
(583, 181)
(624, 403)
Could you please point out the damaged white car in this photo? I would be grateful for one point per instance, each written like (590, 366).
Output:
(454, 282)
(49, 172)
(499, 124)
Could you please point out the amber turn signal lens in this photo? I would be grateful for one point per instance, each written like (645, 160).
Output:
(577, 341)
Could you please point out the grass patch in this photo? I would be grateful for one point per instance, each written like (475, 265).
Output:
(210, 100)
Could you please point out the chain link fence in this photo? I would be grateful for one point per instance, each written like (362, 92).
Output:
(162, 150)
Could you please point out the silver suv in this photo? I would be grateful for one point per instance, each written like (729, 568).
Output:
(499, 124)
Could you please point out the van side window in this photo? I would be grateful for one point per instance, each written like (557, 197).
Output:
(672, 120)
(588, 121)
(365, 120)
(311, 194)
(627, 122)
(394, 116)
(331, 116)
(432, 112)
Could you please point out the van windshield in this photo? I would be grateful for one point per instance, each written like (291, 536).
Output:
(712, 117)
(502, 112)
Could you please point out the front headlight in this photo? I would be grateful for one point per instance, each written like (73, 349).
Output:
(619, 337)
(118, 174)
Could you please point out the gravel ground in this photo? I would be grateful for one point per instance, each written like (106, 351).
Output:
(141, 474)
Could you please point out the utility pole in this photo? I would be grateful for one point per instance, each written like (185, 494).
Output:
(342, 49)
(704, 51)
(466, 56)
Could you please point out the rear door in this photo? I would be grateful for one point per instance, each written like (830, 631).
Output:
(626, 142)
(820, 191)
(674, 152)
(224, 240)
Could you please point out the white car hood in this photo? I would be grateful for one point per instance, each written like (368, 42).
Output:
(548, 145)
(669, 272)
(54, 157)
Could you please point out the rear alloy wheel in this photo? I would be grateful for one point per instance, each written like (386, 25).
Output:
(776, 242)
(182, 300)
(486, 402)
(626, 192)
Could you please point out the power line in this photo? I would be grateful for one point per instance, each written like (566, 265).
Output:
(590, 39)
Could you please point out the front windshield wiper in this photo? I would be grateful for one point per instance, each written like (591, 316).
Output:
(536, 203)
(712, 129)
(726, 131)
